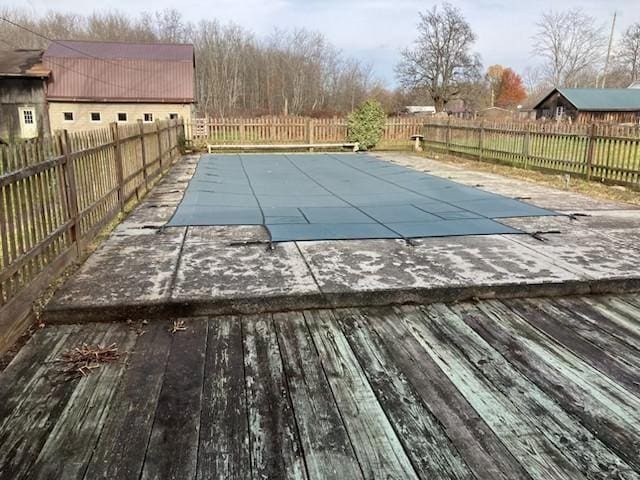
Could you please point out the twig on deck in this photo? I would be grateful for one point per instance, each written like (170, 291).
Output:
(178, 326)
(81, 361)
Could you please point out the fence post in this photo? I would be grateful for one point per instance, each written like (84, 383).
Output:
(71, 191)
(145, 174)
(481, 140)
(241, 130)
(525, 144)
(159, 138)
(590, 150)
(310, 126)
(118, 157)
(448, 135)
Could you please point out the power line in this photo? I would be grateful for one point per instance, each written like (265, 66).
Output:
(62, 44)
(121, 87)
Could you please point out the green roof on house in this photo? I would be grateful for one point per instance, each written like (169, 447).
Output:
(600, 99)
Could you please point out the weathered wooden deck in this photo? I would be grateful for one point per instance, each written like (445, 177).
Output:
(514, 389)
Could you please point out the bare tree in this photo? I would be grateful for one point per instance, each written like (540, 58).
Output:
(628, 55)
(441, 60)
(572, 46)
(295, 72)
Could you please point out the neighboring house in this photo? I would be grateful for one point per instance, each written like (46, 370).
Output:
(458, 108)
(23, 110)
(584, 105)
(95, 83)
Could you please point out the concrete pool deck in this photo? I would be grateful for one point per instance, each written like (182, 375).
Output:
(143, 270)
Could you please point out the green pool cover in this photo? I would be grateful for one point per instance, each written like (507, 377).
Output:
(339, 196)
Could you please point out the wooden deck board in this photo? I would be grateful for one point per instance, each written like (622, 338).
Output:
(70, 444)
(575, 390)
(601, 355)
(173, 446)
(224, 430)
(327, 447)
(609, 320)
(422, 435)
(28, 427)
(276, 450)
(379, 451)
(585, 451)
(617, 348)
(517, 430)
(121, 451)
(481, 449)
(512, 390)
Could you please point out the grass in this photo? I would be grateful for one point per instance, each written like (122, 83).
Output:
(577, 185)
(614, 153)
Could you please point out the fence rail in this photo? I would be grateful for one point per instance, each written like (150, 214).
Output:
(57, 193)
(607, 153)
(293, 130)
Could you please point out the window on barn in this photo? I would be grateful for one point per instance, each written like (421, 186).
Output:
(28, 117)
(173, 116)
(68, 116)
(122, 116)
(96, 117)
(559, 111)
(148, 117)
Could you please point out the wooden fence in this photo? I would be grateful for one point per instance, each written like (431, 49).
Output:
(293, 130)
(56, 194)
(607, 153)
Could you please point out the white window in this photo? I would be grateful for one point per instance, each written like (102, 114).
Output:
(148, 117)
(27, 116)
(559, 111)
(173, 116)
(68, 116)
(28, 122)
(95, 117)
(122, 117)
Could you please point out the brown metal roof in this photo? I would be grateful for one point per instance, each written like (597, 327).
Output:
(22, 63)
(120, 72)
(120, 50)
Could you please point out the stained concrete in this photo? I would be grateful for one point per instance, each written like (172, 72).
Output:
(433, 262)
(126, 270)
(145, 268)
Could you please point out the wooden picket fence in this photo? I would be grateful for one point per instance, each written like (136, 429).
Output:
(292, 130)
(606, 153)
(58, 193)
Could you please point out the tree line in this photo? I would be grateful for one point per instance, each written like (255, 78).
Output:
(295, 72)
(300, 72)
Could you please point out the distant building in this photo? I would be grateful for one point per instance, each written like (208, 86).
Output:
(584, 105)
(95, 83)
(23, 112)
(496, 114)
(420, 110)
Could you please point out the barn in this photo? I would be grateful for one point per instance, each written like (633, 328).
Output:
(95, 83)
(586, 105)
(23, 111)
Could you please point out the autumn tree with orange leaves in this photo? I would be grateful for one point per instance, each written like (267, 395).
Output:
(510, 91)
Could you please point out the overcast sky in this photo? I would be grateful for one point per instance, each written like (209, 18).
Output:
(376, 30)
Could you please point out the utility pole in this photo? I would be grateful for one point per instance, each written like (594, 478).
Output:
(606, 63)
